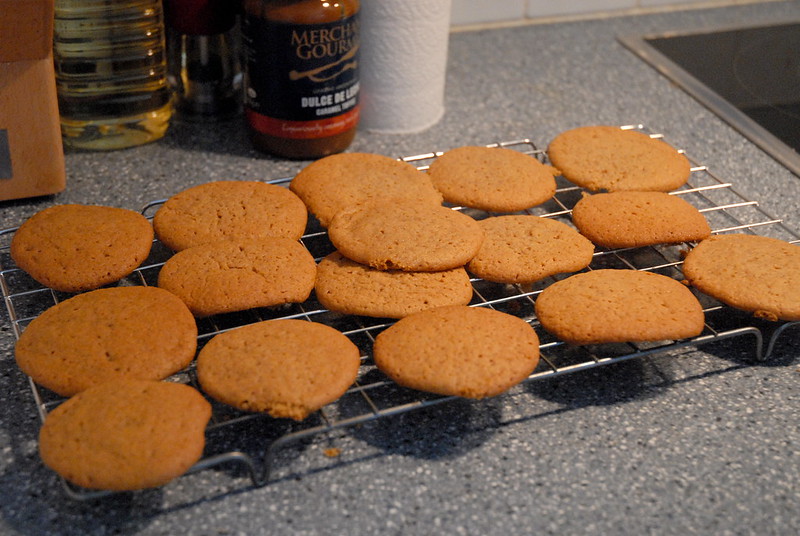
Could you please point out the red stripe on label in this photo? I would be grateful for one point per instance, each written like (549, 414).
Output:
(303, 130)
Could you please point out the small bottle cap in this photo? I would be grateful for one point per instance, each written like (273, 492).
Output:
(201, 17)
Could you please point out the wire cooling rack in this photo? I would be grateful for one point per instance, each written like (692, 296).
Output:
(374, 396)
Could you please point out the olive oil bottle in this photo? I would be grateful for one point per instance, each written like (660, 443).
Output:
(110, 64)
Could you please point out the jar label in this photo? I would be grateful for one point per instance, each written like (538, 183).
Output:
(301, 80)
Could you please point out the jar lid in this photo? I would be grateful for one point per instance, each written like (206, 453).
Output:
(200, 17)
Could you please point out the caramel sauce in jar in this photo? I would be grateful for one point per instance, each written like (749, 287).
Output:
(301, 75)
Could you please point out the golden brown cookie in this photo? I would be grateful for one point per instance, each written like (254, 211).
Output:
(73, 248)
(401, 234)
(286, 368)
(229, 210)
(492, 178)
(145, 333)
(126, 434)
(753, 273)
(525, 248)
(605, 306)
(634, 219)
(348, 287)
(332, 183)
(226, 276)
(457, 350)
(609, 158)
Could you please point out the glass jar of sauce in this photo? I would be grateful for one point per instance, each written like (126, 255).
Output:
(301, 75)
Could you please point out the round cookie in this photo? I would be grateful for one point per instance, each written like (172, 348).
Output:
(126, 434)
(494, 179)
(634, 219)
(286, 368)
(337, 181)
(604, 306)
(753, 273)
(402, 234)
(526, 248)
(139, 332)
(348, 287)
(74, 248)
(229, 210)
(612, 159)
(226, 276)
(456, 350)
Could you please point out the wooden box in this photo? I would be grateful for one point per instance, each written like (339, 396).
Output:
(31, 153)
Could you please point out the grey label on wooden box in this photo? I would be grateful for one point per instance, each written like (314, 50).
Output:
(5, 156)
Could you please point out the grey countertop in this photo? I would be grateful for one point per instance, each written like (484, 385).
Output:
(693, 442)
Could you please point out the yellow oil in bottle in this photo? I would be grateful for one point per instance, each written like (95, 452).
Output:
(110, 62)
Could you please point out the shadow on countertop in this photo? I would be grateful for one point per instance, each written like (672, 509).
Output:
(224, 136)
(34, 501)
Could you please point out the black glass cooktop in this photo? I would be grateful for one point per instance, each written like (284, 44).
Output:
(749, 76)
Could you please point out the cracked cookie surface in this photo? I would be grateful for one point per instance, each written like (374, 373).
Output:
(471, 352)
(635, 219)
(352, 288)
(126, 434)
(604, 306)
(286, 368)
(75, 248)
(401, 234)
(753, 273)
(338, 181)
(610, 158)
(227, 276)
(495, 179)
(527, 248)
(138, 332)
(229, 210)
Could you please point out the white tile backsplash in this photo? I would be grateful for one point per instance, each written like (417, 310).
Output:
(646, 3)
(548, 8)
(476, 12)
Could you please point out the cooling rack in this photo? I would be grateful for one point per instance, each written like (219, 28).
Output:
(231, 434)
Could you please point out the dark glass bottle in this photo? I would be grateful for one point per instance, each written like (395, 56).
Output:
(301, 75)
(203, 64)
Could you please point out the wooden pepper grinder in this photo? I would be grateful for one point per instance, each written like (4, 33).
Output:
(31, 153)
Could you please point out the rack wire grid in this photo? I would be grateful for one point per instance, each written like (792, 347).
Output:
(374, 396)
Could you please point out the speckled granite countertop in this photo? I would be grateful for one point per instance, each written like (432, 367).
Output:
(695, 442)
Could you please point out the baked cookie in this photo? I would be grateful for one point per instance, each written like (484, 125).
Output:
(456, 350)
(229, 210)
(337, 181)
(753, 273)
(525, 248)
(612, 159)
(494, 179)
(402, 234)
(605, 306)
(126, 434)
(74, 248)
(286, 368)
(634, 219)
(226, 276)
(351, 288)
(138, 332)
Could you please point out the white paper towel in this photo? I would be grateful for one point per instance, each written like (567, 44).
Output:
(403, 64)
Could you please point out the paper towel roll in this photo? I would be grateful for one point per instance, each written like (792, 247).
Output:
(403, 64)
